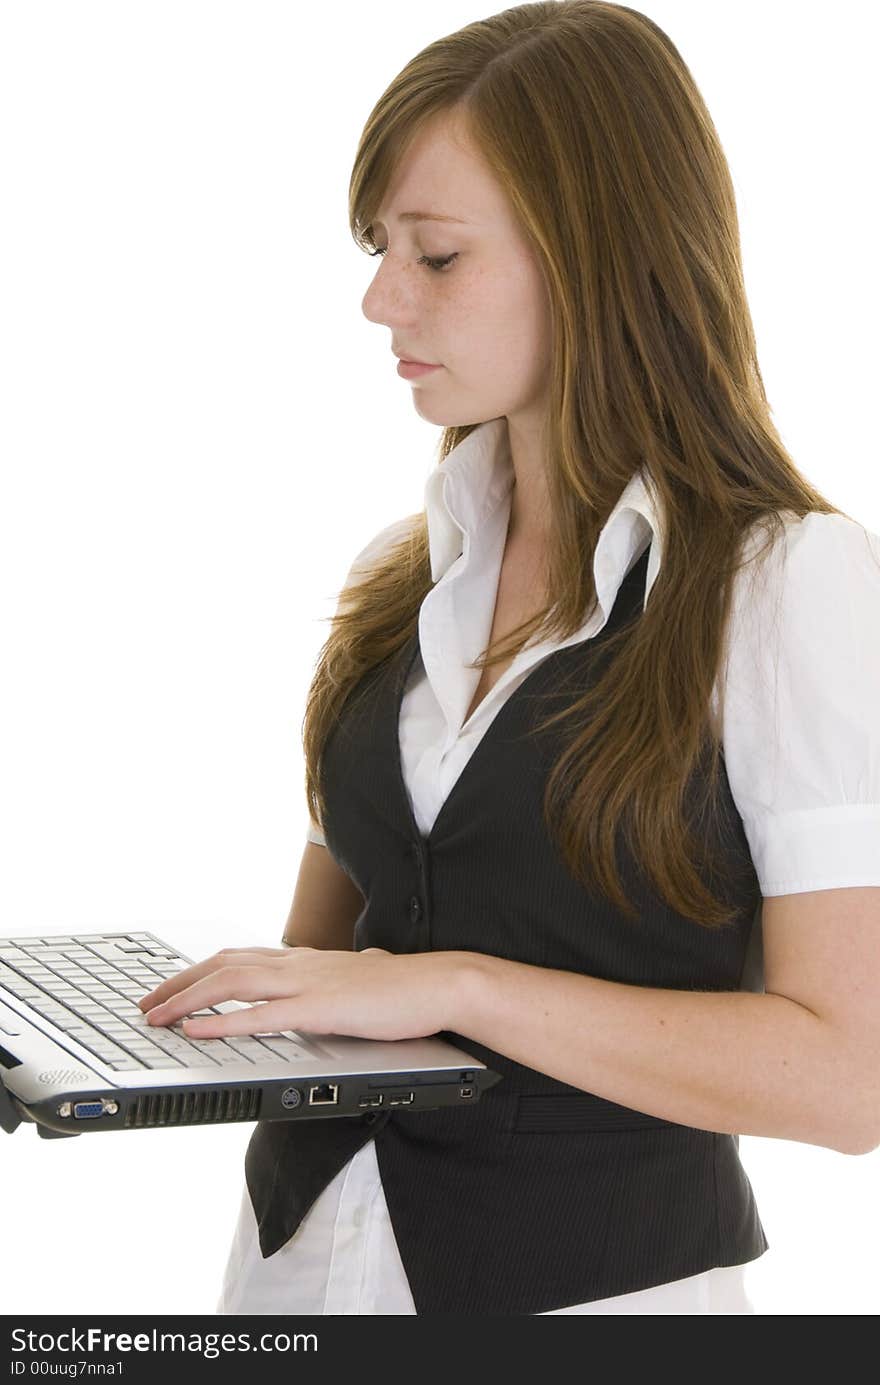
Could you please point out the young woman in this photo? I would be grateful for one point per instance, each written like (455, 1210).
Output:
(592, 742)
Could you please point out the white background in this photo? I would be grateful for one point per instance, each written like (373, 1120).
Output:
(199, 430)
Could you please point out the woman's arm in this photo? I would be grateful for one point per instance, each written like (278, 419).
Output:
(738, 1062)
(326, 904)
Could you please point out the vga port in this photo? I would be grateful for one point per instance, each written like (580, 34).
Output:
(87, 1110)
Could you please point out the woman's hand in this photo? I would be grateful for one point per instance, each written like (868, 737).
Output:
(372, 994)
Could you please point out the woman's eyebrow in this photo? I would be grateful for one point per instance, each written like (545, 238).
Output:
(428, 216)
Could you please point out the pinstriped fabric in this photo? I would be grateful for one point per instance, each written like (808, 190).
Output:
(344, 1260)
(541, 1195)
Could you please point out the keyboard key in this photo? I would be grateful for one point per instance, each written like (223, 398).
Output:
(285, 1047)
(252, 1048)
(226, 1057)
(103, 1047)
(204, 1047)
(165, 1038)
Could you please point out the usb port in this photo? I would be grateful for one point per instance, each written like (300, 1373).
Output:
(466, 1091)
(402, 1099)
(371, 1100)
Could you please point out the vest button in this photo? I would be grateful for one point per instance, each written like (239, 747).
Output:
(415, 908)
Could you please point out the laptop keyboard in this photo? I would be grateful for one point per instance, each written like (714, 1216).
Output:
(87, 985)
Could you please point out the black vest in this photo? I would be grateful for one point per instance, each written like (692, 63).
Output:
(542, 1195)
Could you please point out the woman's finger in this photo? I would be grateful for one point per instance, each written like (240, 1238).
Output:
(244, 981)
(271, 1017)
(172, 985)
(185, 977)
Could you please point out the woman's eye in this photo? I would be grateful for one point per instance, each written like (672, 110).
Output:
(427, 260)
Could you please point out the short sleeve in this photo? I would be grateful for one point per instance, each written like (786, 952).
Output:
(381, 543)
(801, 706)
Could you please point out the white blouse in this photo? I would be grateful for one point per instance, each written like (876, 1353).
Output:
(798, 704)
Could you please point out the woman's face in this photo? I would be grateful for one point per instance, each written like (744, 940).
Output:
(484, 318)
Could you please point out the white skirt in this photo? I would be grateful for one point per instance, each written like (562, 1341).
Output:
(343, 1259)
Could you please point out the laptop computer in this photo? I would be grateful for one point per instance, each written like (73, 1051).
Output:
(77, 1055)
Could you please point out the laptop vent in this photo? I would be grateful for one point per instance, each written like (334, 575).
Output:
(192, 1108)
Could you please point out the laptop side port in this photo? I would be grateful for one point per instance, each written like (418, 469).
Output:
(324, 1094)
(89, 1110)
(401, 1099)
(466, 1091)
(371, 1100)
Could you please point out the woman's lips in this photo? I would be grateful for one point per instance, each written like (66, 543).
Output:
(410, 370)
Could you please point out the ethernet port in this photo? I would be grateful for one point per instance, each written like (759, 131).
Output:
(325, 1094)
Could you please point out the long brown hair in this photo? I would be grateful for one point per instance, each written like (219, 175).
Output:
(589, 118)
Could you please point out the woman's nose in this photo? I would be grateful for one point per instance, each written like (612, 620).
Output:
(390, 299)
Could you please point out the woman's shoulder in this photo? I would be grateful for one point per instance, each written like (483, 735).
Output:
(798, 706)
(802, 556)
(819, 534)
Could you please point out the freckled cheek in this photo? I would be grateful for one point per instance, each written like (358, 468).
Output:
(480, 302)
(453, 325)
(476, 313)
